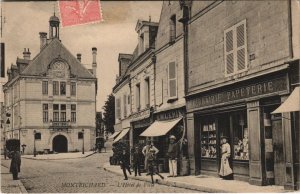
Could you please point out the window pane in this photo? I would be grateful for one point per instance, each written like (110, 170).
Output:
(240, 136)
(208, 138)
(55, 107)
(73, 106)
(55, 116)
(63, 116)
(73, 88)
(73, 116)
(62, 88)
(45, 87)
(62, 107)
(80, 135)
(172, 70)
(173, 88)
(45, 106)
(55, 88)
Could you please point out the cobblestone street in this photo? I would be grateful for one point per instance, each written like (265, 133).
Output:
(80, 176)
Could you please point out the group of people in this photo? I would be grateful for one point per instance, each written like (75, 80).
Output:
(149, 152)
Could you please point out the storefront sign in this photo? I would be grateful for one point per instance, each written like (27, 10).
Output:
(140, 115)
(254, 90)
(169, 115)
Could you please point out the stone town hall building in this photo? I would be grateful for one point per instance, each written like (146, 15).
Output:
(50, 100)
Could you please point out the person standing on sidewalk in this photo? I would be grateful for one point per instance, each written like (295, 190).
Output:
(173, 155)
(124, 161)
(152, 164)
(137, 160)
(225, 170)
(145, 151)
(15, 163)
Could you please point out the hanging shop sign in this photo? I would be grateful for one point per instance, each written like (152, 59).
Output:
(271, 86)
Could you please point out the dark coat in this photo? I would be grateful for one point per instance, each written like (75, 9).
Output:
(15, 163)
(137, 157)
(173, 151)
(124, 159)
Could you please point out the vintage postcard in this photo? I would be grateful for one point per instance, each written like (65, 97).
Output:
(174, 96)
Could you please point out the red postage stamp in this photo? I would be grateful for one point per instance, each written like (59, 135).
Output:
(77, 12)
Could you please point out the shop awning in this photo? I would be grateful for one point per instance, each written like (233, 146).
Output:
(159, 128)
(114, 134)
(291, 104)
(122, 134)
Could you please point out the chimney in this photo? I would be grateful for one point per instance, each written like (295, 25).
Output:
(43, 39)
(26, 54)
(79, 57)
(94, 65)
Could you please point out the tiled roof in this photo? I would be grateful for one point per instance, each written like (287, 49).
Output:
(55, 49)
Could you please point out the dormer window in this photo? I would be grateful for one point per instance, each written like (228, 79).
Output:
(172, 29)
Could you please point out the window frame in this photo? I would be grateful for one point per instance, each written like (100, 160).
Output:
(172, 23)
(56, 89)
(235, 49)
(73, 112)
(38, 134)
(73, 88)
(62, 91)
(172, 98)
(45, 113)
(138, 96)
(147, 91)
(45, 87)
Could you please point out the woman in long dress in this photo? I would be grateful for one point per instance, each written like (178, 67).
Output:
(225, 170)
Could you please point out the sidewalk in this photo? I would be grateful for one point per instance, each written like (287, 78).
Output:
(59, 156)
(203, 183)
(8, 185)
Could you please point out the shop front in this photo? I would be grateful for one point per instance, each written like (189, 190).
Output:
(139, 122)
(167, 123)
(241, 112)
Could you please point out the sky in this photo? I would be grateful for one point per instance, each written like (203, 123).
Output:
(116, 34)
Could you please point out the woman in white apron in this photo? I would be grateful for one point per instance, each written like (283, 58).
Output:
(225, 170)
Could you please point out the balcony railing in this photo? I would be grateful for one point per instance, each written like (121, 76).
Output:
(60, 124)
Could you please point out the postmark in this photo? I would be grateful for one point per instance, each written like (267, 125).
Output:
(78, 12)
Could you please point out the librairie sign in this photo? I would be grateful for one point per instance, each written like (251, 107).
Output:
(270, 86)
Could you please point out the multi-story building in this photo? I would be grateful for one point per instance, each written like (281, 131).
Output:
(51, 98)
(134, 91)
(243, 63)
(169, 91)
(122, 95)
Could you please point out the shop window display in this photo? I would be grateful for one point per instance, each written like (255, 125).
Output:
(209, 140)
(240, 137)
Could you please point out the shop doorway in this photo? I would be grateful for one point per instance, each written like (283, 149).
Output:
(60, 144)
(279, 164)
(274, 155)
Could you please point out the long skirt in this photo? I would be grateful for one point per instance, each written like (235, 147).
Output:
(225, 169)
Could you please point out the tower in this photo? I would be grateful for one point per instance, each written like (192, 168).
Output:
(54, 27)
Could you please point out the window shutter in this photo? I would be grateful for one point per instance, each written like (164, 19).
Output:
(229, 58)
(125, 106)
(241, 46)
(235, 48)
(172, 80)
(118, 109)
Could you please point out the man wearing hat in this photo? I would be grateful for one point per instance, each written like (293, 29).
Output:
(146, 153)
(173, 154)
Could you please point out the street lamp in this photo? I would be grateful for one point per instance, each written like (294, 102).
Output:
(82, 141)
(34, 149)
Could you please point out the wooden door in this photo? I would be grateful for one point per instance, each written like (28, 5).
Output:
(279, 165)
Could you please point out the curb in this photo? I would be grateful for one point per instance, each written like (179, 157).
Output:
(20, 184)
(173, 183)
(30, 158)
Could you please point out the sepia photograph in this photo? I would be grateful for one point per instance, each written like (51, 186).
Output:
(153, 96)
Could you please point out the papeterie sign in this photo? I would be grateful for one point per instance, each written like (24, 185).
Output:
(254, 90)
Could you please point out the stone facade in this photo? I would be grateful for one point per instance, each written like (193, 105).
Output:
(51, 101)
